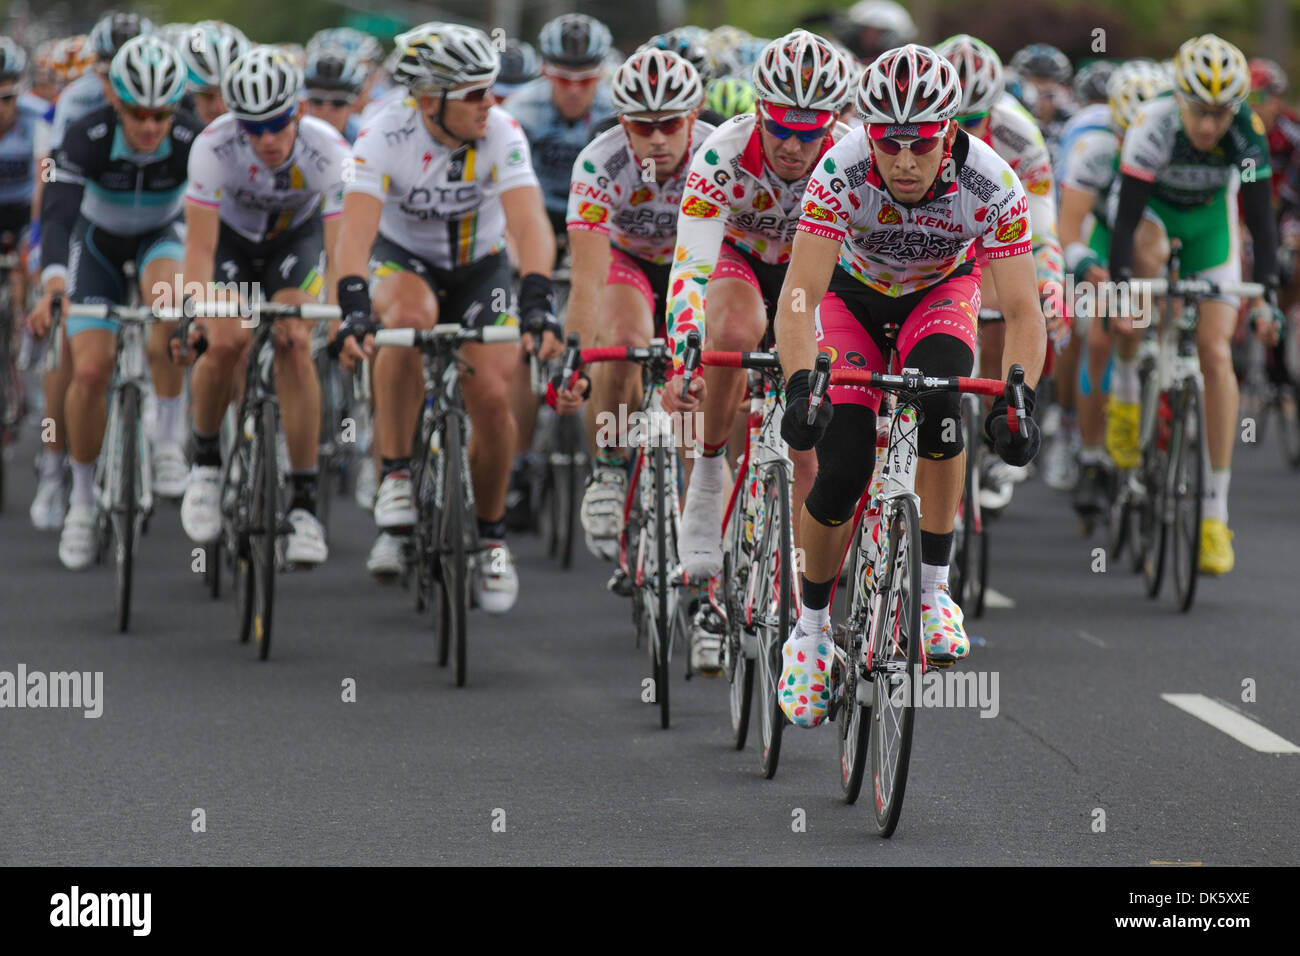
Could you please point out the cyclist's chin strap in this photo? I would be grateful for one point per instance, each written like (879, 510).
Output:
(442, 107)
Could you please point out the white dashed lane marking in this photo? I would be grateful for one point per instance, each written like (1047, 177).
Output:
(1237, 726)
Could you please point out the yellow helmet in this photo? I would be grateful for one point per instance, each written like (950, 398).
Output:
(1210, 69)
(1131, 85)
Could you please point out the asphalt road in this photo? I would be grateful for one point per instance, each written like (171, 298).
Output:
(549, 755)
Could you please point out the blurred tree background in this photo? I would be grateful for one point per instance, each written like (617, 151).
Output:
(1128, 27)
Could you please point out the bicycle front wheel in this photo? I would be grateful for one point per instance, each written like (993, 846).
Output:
(1188, 464)
(453, 558)
(661, 635)
(773, 609)
(854, 716)
(128, 447)
(739, 668)
(264, 527)
(895, 663)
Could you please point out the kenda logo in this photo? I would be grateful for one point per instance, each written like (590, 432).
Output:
(949, 689)
(77, 909)
(82, 690)
(657, 429)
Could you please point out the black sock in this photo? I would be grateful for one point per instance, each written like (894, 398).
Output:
(492, 530)
(207, 450)
(936, 549)
(817, 596)
(389, 465)
(304, 490)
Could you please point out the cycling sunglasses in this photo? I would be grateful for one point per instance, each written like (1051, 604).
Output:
(918, 147)
(971, 120)
(785, 132)
(667, 124)
(142, 114)
(471, 94)
(338, 102)
(273, 125)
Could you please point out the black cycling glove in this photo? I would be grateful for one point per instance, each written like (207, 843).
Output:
(796, 431)
(1020, 448)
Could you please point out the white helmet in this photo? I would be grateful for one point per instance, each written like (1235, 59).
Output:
(208, 48)
(909, 85)
(1210, 69)
(654, 81)
(884, 15)
(262, 83)
(802, 70)
(148, 72)
(978, 70)
(1132, 84)
(443, 55)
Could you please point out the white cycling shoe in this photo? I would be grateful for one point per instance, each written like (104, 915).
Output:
(50, 504)
(602, 511)
(385, 560)
(701, 528)
(306, 543)
(201, 505)
(171, 471)
(394, 504)
(77, 542)
(496, 583)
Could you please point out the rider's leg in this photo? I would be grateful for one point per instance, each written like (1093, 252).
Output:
(158, 281)
(402, 300)
(626, 323)
(94, 351)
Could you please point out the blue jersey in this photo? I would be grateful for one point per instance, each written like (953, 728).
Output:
(20, 147)
(83, 95)
(555, 142)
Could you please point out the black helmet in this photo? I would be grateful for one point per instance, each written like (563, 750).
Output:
(519, 64)
(575, 40)
(679, 42)
(1090, 81)
(114, 29)
(1044, 61)
(334, 69)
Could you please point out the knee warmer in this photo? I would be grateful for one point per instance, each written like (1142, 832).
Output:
(846, 456)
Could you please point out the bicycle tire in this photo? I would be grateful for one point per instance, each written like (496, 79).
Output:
(266, 521)
(128, 448)
(774, 566)
(854, 718)
(1155, 537)
(964, 543)
(738, 668)
(212, 555)
(453, 558)
(895, 658)
(1187, 473)
(662, 635)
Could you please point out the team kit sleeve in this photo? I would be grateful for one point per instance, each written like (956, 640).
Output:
(205, 174)
(332, 191)
(821, 210)
(512, 162)
(1040, 190)
(701, 225)
(1010, 233)
(61, 203)
(591, 204)
(369, 172)
(1090, 164)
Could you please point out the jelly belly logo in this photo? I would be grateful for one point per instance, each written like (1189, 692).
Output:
(762, 200)
(820, 213)
(699, 208)
(644, 194)
(889, 216)
(1011, 231)
(590, 212)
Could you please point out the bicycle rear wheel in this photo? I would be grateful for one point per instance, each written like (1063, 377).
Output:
(1188, 465)
(738, 667)
(265, 525)
(895, 662)
(128, 449)
(773, 610)
(453, 558)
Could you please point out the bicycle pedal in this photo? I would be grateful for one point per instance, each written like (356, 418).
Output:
(620, 583)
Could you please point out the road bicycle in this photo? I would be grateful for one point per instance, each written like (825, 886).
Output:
(445, 536)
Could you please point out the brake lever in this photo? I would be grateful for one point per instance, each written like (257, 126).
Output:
(821, 378)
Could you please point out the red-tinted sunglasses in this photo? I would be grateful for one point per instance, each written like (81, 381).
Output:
(668, 125)
(141, 114)
(918, 147)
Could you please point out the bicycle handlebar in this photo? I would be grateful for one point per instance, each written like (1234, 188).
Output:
(1199, 287)
(746, 360)
(447, 334)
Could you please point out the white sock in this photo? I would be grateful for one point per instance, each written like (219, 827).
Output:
(811, 620)
(1092, 454)
(933, 577)
(83, 485)
(166, 419)
(1124, 383)
(1214, 503)
(708, 472)
(51, 464)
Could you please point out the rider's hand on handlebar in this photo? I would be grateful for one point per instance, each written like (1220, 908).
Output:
(39, 320)
(672, 394)
(1021, 447)
(1264, 321)
(551, 343)
(796, 431)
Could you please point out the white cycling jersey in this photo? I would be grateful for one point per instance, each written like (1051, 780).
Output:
(611, 193)
(1090, 150)
(441, 204)
(260, 203)
(898, 249)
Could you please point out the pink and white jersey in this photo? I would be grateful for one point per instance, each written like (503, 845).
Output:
(610, 192)
(898, 249)
(731, 193)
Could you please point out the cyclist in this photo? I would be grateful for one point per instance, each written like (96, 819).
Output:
(730, 96)
(894, 240)
(1183, 157)
(1061, 420)
(875, 26)
(265, 192)
(738, 218)
(334, 79)
(208, 48)
(688, 49)
(622, 231)
(116, 196)
(988, 114)
(440, 179)
(1281, 122)
(93, 90)
(1049, 71)
(1089, 180)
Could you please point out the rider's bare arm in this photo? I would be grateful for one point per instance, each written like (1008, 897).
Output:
(1026, 341)
(589, 269)
(811, 264)
(529, 229)
(360, 225)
